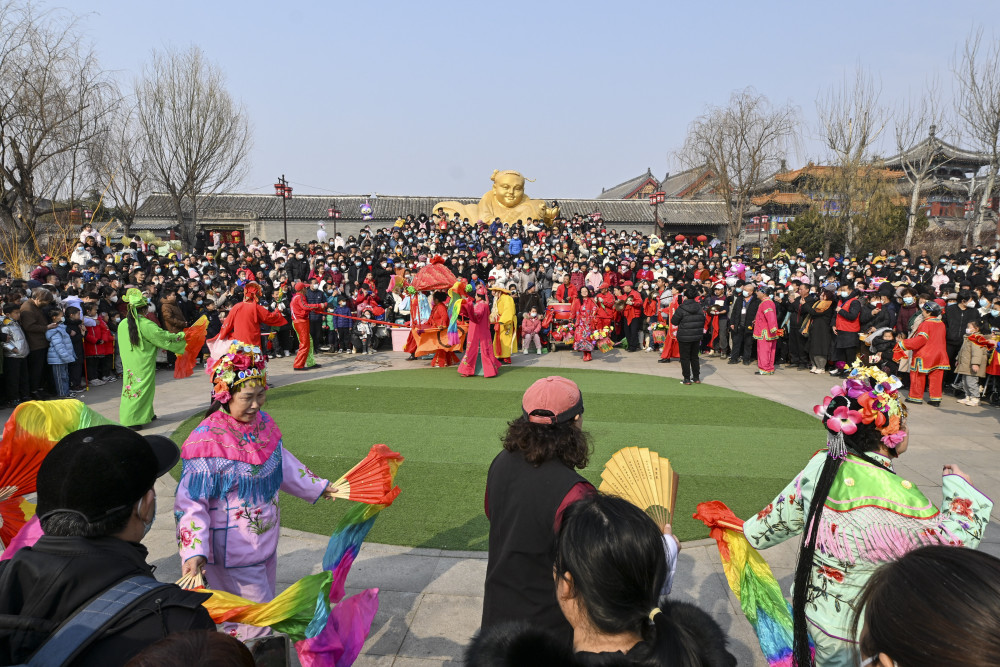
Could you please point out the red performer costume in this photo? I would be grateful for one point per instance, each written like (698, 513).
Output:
(300, 322)
(671, 350)
(930, 356)
(565, 293)
(439, 318)
(245, 319)
(479, 358)
(605, 300)
(765, 331)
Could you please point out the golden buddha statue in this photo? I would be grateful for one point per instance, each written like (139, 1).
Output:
(506, 201)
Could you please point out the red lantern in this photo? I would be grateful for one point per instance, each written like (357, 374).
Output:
(279, 189)
(679, 238)
(288, 192)
(702, 238)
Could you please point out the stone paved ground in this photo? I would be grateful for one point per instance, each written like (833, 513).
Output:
(430, 600)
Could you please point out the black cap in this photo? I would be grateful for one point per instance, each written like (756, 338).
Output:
(101, 470)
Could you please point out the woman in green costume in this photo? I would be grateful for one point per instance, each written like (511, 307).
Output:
(856, 512)
(138, 340)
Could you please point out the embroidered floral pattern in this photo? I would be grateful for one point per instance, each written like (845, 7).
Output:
(773, 521)
(131, 379)
(187, 535)
(252, 515)
(962, 507)
(824, 587)
(306, 472)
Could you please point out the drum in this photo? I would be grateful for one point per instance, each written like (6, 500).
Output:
(560, 311)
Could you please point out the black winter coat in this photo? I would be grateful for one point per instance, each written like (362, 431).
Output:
(821, 330)
(743, 322)
(43, 585)
(689, 318)
(297, 269)
(955, 321)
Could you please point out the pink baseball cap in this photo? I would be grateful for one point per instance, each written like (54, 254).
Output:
(552, 400)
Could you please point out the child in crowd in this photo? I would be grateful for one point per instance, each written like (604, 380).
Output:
(363, 333)
(531, 325)
(76, 330)
(60, 354)
(98, 348)
(880, 344)
(342, 324)
(971, 363)
(116, 364)
(15, 353)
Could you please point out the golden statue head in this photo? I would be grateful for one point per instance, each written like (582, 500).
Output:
(508, 187)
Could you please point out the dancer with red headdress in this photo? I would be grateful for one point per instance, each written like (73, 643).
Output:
(245, 319)
(300, 322)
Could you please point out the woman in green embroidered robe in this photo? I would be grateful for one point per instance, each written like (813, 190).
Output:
(138, 340)
(862, 511)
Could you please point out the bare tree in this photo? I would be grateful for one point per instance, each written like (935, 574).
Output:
(51, 104)
(852, 120)
(120, 160)
(741, 144)
(197, 136)
(918, 124)
(978, 105)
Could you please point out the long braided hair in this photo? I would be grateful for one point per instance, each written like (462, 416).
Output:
(862, 414)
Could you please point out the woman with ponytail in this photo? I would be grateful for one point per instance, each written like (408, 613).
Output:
(611, 573)
(138, 340)
(856, 512)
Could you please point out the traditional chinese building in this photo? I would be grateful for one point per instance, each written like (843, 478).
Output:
(945, 192)
(242, 216)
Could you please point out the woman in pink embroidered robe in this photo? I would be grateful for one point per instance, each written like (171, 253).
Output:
(765, 330)
(226, 505)
(479, 358)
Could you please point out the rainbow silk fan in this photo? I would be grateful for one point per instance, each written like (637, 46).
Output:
(371, 481)
(30, 432)
(643, 478)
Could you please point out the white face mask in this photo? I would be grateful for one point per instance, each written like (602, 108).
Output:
(147, 526)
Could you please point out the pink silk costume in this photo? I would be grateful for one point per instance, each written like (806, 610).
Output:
(765, 330)
(479, 358)
(226, 507)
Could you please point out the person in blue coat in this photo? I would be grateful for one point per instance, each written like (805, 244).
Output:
(60, 352)
(515, 245)
(342, 323)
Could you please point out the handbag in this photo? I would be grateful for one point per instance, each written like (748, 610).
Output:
(805, 326)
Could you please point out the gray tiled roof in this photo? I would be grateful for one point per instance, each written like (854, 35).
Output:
(623, 190)
(157, 208)
(152, 225)
(942, 150)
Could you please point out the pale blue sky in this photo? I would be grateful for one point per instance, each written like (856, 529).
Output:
(427, 98)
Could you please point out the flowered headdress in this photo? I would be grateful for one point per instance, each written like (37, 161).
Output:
(868, 396)
(241, 363)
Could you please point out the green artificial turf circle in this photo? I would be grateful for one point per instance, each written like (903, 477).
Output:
(725, 445)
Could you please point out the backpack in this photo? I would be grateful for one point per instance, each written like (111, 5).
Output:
(79, 630)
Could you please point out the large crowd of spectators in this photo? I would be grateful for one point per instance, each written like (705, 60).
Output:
(60, 321)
